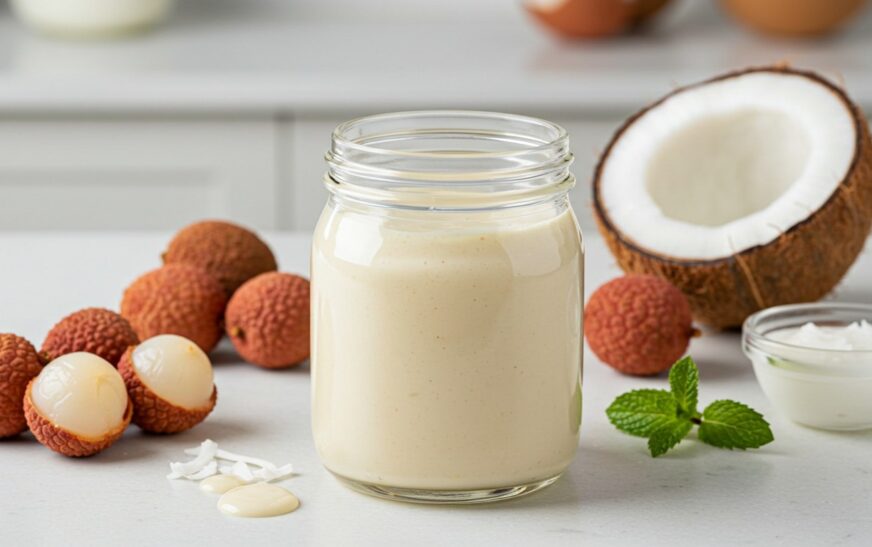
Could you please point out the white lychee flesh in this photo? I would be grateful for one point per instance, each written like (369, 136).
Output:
(729, 165)
(81, 393)
(175, 369)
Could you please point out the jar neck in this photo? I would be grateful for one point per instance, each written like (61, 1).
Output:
(449, 160)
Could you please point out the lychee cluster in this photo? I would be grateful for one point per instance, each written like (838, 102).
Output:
(151, 361)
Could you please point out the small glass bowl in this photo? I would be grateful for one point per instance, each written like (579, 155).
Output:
(822, 388)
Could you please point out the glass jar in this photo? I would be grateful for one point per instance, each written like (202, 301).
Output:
(447, 272)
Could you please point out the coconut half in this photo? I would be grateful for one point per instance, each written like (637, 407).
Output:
(749, 190)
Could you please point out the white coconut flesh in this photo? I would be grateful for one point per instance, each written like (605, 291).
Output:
(728, 165)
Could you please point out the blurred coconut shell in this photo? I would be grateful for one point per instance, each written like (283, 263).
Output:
(793, 17)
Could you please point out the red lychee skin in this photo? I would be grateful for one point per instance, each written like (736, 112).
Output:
(229, 252)
(94, 330)
(19, 364)
(153, 413)
(268, 320)
(176, 299)
(638, 324)
(65, 442)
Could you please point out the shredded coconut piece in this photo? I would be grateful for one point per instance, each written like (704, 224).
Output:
(242, 472)
(271, 475)
(205, 465)
(230, 456)
(210, 469)
(205, 454)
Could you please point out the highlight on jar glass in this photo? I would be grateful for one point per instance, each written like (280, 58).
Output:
(447, 307)
(814, 362)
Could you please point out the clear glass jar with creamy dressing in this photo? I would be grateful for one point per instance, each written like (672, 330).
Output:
(447, 272)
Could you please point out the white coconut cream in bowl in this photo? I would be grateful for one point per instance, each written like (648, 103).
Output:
(91, 18)
(814, 362)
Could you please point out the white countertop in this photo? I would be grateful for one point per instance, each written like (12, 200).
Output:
(808, 487)
(267, 56)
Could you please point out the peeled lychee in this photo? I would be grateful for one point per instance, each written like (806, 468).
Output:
(268, 320)
(77, 405)
(169, 379)
(19, 363)
(638, 324)
(94, 330)
(231, 253)
(176, 299)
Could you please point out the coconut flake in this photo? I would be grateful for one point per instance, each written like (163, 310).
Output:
(210, 469)
(240, 470)
(233, 457)
(205, 464)
(272, 475)
(205, 454)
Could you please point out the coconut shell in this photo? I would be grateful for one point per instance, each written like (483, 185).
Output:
(802, 265)
(154, 413)
(66, 442)
(19, 364)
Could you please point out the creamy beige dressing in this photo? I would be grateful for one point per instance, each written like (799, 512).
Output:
(258, 500)
(218, 484)
(446, 354)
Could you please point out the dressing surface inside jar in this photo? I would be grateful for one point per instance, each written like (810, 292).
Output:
(447, 307)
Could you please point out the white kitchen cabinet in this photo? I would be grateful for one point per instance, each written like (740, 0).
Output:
(304, 142)
(136, 172)
(129, 172)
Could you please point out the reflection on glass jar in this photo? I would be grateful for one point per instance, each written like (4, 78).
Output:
(446, 306)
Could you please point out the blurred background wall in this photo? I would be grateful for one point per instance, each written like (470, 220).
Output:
(225, 109)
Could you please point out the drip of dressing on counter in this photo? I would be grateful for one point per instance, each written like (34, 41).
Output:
(258, 500)
(218, 484)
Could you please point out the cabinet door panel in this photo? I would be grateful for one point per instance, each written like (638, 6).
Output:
(135, 173)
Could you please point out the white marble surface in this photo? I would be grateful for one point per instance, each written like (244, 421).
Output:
(808, 487)
(272, 55)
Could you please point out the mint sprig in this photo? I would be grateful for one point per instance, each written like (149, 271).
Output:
(666, 417)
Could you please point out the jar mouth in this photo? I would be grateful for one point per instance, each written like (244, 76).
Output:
(449, 159)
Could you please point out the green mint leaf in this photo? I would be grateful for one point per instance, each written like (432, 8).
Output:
(642, 411)
(668, 435)
(684, 381)
(728, 424)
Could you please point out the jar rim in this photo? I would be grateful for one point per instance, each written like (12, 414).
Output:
(341, 132)
(449, 159)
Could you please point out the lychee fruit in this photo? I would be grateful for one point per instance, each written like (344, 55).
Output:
(77, 405)
(176, 299)
(231, 253)
(638, 324)
(19, 363)
(169, 379)
(94, 330)
(268, 320)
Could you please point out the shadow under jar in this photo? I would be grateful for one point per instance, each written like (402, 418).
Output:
(447, 292)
